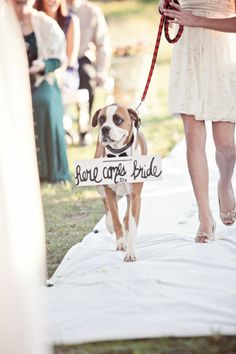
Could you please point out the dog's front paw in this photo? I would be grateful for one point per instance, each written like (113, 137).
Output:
(130, 256)
(109, 223)
(121, 244)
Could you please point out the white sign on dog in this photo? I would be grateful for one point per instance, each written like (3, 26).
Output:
(117, 170)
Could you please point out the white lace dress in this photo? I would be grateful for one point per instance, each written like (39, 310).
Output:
(203, 68)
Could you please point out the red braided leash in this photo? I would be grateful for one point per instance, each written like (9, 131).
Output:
(164, 22)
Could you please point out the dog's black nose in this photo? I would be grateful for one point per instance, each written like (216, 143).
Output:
(105, 130)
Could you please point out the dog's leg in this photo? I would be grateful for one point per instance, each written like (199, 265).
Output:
(113, 209)
(134, 212)
(126, 218)
(109, 223)
(131, 234)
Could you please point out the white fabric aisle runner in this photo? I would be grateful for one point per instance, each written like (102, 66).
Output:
(176, 287)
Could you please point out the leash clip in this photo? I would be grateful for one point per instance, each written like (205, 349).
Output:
(138, 122)
(138, 106)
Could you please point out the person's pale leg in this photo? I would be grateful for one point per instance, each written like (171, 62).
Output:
(195, 134)
(223, 133)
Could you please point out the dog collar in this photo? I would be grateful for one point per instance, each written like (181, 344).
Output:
(121, 150)
(124, 154)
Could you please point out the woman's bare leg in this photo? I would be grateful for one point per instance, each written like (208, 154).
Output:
(195, 134)
(223, 133)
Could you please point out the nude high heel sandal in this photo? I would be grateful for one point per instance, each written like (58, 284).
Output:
(228, 218)
(204, 237)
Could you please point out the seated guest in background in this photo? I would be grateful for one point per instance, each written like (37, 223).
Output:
(46, 49)
(95, 51)
(69, 23)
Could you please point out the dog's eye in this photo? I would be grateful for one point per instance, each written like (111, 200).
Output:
(117, 120)
(101, 120)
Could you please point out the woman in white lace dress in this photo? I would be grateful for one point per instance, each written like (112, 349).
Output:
(203, 88)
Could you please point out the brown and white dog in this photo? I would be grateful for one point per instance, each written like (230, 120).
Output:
(119, 136)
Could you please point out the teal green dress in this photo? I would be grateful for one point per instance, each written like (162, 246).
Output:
(48, 122)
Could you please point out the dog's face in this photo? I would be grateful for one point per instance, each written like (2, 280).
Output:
(115, 123)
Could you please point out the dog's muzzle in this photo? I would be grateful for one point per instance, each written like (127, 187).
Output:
(105, 134)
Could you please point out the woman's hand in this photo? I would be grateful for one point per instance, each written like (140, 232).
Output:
(180, 16)
(161, 6)
(100, 79)
(37, 67)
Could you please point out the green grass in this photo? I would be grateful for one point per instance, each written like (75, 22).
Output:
(134, 21)
(122, 9)
(69, 215)
(211, 345)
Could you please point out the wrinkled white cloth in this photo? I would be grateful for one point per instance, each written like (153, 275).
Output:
(22, 238)
(203, 68)
(175, 288)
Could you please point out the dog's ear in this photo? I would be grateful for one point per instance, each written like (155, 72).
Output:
(134, 116)
(95, 118)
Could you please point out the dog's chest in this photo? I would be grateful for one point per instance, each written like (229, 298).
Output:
(124, 188)
(119, 189)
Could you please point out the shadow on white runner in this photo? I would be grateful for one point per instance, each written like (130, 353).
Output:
(176, 287)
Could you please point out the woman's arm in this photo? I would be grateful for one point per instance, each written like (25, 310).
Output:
(222, 25)
(44, 66)
(70, 41)
(186, 18)
(73, 41)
